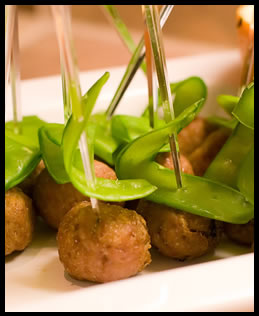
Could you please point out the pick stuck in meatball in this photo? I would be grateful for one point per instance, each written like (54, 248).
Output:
(54, 200)
(109, 245)
(19, 220)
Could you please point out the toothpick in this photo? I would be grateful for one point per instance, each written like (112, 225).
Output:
(15, 76)
(133, 65)
(154, 29)
(9, 30)
(151, 77)
(64, 35)
(116, 21)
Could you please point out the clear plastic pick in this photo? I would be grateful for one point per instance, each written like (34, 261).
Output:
(69, 68)
(155, 34)
(133, 65)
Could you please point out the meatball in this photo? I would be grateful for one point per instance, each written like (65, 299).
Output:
(177, 234)
(165, 159)
(19, 220)
(28, 184)
(240, 233)
(54, 200)
(194, 134)
(202, 157)
(109, 245)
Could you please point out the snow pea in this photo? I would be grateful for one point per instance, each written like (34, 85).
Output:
(50, 139)
(225, 167)
(199, 195)
(59, 146)
(227, 102)
(185, 93)
(105, 145)
(20, 161)
(245, 180)
(22, 151)
(29, 126)
(244, 110)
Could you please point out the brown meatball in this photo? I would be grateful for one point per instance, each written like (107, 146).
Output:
(179, 235)
(54, 200)
(19, 220)
(241, 233)
(28, 184)
(165, 159)
(202, 157)
(111, 245)
(193, 135)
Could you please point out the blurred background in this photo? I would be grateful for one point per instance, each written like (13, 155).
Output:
(190, 30)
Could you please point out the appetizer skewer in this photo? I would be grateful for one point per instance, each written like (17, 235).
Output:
(133, 65)
(100, 240)
(63, 27)
(115, 19)
(15, 77)
(155, 35)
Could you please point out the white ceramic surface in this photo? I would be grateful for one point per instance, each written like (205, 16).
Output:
(221, 281)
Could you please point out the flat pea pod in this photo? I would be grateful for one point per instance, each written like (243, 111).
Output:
(105, 145)
(50, 139)
(244, 110)
(224, 168)
(22, 151)
(199, 195)
(20, 161)
(185, 93)
(227, 102)
(29, 126)
(245, 180)
(126, 128)
(104, 189)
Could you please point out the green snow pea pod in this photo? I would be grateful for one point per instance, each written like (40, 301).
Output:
(50, 139)
(105, 145)
(126, 128)
(22, 151)
(20, 161)
(104, 189)
(244, 110)
(30, 126)
(245, 180)
(224, 168)
(199, 195)
(185, 93)
(227, 102)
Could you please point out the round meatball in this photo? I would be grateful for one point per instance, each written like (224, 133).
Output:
(240, 233)
(202, 156)
(54, 200)
(177, 234)
(28, 184)
(103, 246)
(19, 220)
(194, 134)
(166, 160)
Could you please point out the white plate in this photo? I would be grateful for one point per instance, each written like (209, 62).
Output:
(221, 281)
